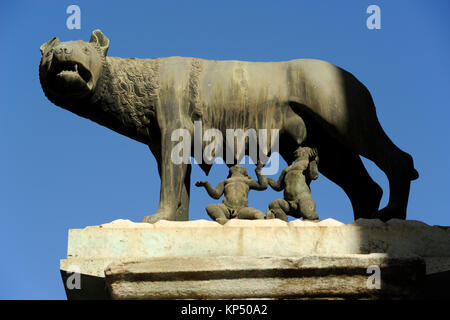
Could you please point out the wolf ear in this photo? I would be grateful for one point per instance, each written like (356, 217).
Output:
(49, 44)
(101, 40)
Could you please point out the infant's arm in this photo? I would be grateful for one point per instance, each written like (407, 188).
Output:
(278, 185)
(262, 182)
(313, 169)
(214, 193)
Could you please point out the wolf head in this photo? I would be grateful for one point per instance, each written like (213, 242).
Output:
(70, 71)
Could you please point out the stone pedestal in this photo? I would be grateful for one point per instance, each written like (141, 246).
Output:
(258, 259)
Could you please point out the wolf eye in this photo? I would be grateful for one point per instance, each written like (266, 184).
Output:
(86, 50)
(49, 52)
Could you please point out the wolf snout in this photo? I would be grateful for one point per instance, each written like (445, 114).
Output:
(63, 49)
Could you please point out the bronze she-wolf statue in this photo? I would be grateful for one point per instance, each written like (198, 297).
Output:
(310, 102)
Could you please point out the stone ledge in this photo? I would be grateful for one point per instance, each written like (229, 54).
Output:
(94, 248)
(124, 223)
(126, 239)
(265, 277)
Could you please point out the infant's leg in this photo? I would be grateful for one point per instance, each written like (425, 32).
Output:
(307, 208)
(218, 212)
(250, 213)
(278, 209)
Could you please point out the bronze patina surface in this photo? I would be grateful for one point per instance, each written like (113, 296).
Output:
(311, 103)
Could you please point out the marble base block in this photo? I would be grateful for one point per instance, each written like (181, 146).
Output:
(257, 259)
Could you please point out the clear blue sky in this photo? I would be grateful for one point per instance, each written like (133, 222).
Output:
(59, 171)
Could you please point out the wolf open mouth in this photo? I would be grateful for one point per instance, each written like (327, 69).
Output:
(72, 70)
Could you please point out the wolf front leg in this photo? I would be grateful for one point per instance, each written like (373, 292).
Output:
(175, 183)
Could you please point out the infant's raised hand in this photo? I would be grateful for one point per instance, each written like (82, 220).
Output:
(201, 183)
(259, 166)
